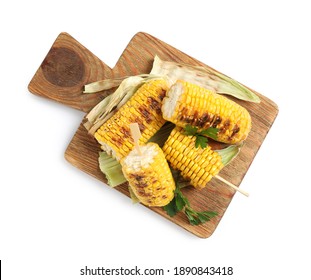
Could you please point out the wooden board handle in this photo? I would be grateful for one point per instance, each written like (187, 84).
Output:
(65, 70)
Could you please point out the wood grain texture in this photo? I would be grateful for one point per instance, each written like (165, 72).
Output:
(69, 66)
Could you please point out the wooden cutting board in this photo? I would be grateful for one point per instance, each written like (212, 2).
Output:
(68, 66)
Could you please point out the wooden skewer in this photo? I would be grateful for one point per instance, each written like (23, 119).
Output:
(231, 185)
(136, 136)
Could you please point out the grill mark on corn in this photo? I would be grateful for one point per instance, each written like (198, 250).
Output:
(147, 115)
(224, 128)
(140, 124)
(217, 121)
(141, 192)
(154, 105)
(212, 120)
(185, 116)
(125, 131)
(118, 141)
(182, 114)
(203, 119)
(141, 184)
(162, 94)
(137, 177)
(227, 124)
(235, 130)
(195, 117)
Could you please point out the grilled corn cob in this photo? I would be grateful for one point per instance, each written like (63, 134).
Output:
(149, 175)
(144, 108)
(195, 164)
(188, 103)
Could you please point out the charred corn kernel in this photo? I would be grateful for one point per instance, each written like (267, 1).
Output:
(199, 165)
(144, 108)
(188, 103)
(149, 175)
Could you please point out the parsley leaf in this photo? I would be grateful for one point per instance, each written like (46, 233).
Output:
(177, 204)
(201, 141)
(171, 208)
(190, 130)
(192, 218)
(181, 203)
(196, 218)
(201, 136)
(210, 132)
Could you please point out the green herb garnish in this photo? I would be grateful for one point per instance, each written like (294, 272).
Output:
(201, 136)
(181, 203)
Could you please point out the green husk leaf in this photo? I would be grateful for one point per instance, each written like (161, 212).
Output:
(229, 153)
(234, 88)
(113, 172)
(162, 134)
(205, 77)
(133, 196)
(111, 168)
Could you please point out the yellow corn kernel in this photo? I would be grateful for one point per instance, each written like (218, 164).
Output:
(198, 165)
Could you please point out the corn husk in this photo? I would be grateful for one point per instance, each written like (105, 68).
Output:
(133, 196)
(203, 76)
(229, 153)
(111, 168)
(103, 85)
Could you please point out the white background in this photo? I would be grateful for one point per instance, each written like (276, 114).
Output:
(55, 219)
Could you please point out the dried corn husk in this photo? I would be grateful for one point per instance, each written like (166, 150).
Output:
(103, 85)
(203, 76)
